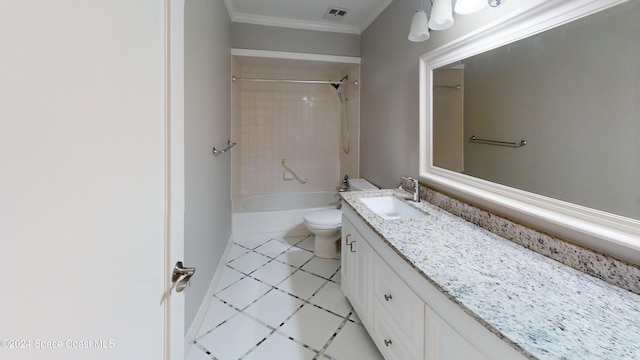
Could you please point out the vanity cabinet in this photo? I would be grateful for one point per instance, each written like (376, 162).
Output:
(398, 314)
(406, 316)
(356, 255)
(390, 310)
(445, 343)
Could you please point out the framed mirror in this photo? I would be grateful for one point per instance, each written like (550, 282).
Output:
(537, 117)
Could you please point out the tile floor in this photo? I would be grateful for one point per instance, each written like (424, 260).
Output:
(276, 300)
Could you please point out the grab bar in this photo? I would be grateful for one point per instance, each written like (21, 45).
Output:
(498, 143)
(297, 175)
(217, 152)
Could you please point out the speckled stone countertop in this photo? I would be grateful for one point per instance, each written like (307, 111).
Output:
(545, 309)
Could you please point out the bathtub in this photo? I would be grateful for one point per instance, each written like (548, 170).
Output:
(277, 215)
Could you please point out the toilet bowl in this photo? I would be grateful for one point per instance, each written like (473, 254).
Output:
(326, 224)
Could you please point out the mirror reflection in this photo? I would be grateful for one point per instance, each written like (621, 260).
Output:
(572, 93)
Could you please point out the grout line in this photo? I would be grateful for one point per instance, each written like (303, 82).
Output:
(260, 297)
(258, 344)
(226, 287)
(199, 346)
(340, 327)
(319, 353)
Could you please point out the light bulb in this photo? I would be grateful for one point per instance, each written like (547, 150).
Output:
(465, 7)
(419, 30)
(441, 15)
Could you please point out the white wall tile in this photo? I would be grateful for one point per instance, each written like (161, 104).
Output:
(297, 122)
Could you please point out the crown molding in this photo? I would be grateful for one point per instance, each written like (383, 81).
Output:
(294, 24)
(239, 17)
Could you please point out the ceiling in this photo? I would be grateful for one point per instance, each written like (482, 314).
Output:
(310, 15)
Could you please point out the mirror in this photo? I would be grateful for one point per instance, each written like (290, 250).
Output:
(552, 101)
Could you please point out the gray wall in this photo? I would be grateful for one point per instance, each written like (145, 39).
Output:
(259, 37)
(207, 123)
(389, 88)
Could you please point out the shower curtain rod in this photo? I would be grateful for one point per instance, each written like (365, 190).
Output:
(234, 79)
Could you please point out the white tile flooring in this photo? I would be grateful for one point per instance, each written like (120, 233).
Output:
(276, 300)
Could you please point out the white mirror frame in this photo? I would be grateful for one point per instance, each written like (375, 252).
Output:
(605, 232)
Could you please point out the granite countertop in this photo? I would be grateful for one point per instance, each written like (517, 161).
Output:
(545, 309)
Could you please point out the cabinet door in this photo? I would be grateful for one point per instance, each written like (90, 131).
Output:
(363, 276)
(444, 343)
(356, 260)
(347, 259)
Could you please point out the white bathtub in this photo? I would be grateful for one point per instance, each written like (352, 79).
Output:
(277, 215)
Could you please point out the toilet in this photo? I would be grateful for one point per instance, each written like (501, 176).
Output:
(326, 224)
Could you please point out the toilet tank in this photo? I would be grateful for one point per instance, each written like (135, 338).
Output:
(361, 184)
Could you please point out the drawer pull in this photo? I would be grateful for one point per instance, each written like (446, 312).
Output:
(350, 244)
(387, 342)
(388, 297)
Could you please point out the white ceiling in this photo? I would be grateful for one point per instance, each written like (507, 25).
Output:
(306, 14)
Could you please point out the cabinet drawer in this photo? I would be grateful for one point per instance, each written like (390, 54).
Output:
(395, 298)
(392, 340)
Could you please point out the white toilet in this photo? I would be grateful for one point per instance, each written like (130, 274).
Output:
(326, 224)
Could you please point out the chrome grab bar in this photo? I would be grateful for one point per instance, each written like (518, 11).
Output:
(217, 152)
(498, 143)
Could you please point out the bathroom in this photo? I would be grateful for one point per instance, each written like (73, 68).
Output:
(102, 206)
(392, 98)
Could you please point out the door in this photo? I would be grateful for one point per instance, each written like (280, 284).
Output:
(90, 216)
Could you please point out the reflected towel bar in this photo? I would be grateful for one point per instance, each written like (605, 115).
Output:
(498, 143)
(456, 87)
(217, 152)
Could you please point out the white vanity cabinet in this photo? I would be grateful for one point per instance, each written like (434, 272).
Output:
(356, 255)
(445, 343)
(390, 310)
(398, 314)
(406, 316)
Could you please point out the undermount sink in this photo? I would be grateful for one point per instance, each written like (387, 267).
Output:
(390, 207)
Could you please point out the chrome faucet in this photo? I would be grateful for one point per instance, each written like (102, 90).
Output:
(416, 188)
(345, 184)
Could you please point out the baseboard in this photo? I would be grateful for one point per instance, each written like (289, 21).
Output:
(274, 234)
(190, 336)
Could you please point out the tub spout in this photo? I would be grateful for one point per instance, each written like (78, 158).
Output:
(345, 184)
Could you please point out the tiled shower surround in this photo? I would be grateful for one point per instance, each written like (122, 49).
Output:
(296, 122)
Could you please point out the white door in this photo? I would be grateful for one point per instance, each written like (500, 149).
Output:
(89, 222)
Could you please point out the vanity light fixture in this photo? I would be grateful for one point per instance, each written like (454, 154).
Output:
(419, 30)
(464, 7)
(442, 15)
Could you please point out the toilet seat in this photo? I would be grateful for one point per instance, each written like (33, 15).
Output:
(324, 219)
